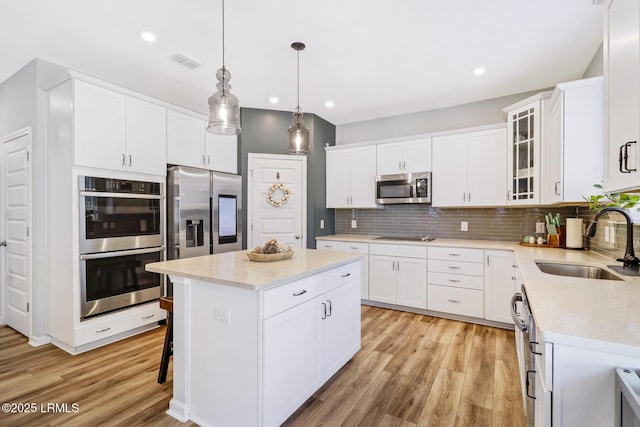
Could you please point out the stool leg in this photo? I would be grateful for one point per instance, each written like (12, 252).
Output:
(166, 350)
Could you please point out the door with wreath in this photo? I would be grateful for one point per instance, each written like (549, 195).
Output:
(277, 199)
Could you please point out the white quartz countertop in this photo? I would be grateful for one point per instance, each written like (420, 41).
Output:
(598, 314)
(235, 269)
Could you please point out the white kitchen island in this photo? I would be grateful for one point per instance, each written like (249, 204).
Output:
(252, 341)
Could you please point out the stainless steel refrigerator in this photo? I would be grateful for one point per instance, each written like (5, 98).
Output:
(204, 212)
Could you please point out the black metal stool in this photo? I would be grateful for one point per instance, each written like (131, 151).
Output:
(166, 303)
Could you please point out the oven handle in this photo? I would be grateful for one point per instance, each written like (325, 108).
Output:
(514, 314)
(122, 253)
(121, 195)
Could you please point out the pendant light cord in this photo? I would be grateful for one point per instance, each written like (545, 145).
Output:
(223, 35)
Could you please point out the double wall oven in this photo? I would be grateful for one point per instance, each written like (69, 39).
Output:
(121, 230)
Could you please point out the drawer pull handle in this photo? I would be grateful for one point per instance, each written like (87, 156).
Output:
(328, 246)
(103, 330)
(329, 301)
(297, 294)
(455, 301)
(531, 344)
(324, 311)
(346, 275)
(454, 268)
(148, 317)
(454, 281)
(454, 254)
(355, 248)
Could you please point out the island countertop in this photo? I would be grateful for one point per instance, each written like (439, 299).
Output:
(235, 269)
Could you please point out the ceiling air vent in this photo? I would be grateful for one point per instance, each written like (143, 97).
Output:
(185, 61)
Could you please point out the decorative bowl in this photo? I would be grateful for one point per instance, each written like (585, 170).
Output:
(253, 256)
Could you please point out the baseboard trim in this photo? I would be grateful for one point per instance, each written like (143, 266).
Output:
(37, 341)
(178, 410)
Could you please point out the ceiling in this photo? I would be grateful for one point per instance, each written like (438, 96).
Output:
(371, 58)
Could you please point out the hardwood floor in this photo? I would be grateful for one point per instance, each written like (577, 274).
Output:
(413, 370)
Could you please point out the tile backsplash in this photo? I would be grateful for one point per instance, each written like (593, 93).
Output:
(497, 224)
(504, 224)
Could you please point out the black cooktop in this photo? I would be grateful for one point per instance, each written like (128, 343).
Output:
(407, 239)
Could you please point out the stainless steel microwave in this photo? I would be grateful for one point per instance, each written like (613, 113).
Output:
(403, 188)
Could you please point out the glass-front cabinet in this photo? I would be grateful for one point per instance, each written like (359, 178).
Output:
(525, 137)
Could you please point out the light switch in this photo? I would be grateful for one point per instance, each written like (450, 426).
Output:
(322, 224)
(354, 224)
(464, 226)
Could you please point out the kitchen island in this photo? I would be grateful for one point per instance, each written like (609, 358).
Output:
(252, 341)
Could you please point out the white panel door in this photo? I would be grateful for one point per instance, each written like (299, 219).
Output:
(286, 222)
(417, 156)
(341, 326)
(382, 279)
(363, 177)
(389, 158)
(338, 178)
(16, 220)
(487, 168)
(185, 140)
(499, 285)
(221, 152)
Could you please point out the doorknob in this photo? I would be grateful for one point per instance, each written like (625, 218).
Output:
(3, 243)
(297, 237)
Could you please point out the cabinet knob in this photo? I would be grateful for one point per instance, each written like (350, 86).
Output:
(297, 237)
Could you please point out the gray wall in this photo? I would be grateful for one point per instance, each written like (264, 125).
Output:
(480, 113)
(265, 131)
(23, 104)
(596, 66)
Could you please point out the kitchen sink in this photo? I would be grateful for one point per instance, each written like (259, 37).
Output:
(576, 270)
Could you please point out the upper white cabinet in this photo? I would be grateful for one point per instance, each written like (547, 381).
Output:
(221, 152)
(115, 131)
(469, 169)
(351, 174)
(573, 148)
(525, 125)
(622, 95)
(404, 157)
(185, 141)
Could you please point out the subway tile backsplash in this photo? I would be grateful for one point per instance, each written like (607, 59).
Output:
(498, 224)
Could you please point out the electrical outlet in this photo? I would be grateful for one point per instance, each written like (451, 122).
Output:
(541, 228)
(354, 224)
(607, 233)
(222, 314)
(322, 224)
(464, 226)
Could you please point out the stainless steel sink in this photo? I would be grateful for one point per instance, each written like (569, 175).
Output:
(576, 270)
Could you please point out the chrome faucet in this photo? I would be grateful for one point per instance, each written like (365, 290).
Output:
(629, 260)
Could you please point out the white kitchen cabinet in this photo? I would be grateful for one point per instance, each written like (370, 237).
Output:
(355, 247)
(621, 47)
(469, 169)
(221, 152)
(185, 140)
(525, 126)
(350, 177)
(455, 280)
(574, 144)
(404, 157)
(398, 274)
(306, 344)
(500, 285)
(118, 132)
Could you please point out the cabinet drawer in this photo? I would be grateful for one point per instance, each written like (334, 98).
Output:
(116, 323)
(456, 280)
(409, 251)
(457, 254)
(341, 275)
(291, 294)
(456, 267)
(356, 247)
(466, 302)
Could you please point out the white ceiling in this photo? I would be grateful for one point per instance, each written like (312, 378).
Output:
(372, 58)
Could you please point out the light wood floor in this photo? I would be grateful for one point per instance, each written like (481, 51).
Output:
(412, 370)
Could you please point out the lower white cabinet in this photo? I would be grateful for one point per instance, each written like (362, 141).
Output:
(500, 285)
(306, 344)
(396, 279)
(354, 247)
(456, 281)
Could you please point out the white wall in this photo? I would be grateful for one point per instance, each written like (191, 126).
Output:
(461, 116)
(596, 66)
(23, 104)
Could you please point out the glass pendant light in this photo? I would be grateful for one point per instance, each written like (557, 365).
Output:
(224, 109)
(298, 134)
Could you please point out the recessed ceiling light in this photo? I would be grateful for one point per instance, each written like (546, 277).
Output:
(274, 100)
(148, 37)
(329, 104)
(478, 71)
